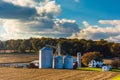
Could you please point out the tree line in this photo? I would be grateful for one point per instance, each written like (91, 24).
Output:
(69, 46)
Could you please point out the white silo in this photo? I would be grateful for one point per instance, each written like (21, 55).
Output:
(45, 57)
(79, 59)
(68, 62)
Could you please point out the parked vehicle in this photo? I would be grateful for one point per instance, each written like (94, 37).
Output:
(33, 64)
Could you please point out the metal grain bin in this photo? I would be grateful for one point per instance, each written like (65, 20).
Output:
(68, 62)
(45, 57)
(58, 62)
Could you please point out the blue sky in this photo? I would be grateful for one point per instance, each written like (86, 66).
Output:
(96, 19)
(91, 11)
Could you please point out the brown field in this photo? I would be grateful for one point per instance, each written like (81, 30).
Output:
(46, 74)
(53, 74)
(9, 58)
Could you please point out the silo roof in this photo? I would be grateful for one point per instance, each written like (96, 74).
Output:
(59, 57)
(68, 56)
(46, 48)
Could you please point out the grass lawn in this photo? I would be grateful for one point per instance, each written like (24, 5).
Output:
(89, 69)
(115, 70)
(96, 69)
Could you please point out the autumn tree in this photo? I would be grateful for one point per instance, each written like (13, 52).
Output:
(1, 45)
(115, 63)
(87, 57)
(115, 49)
(22, 46)
(68, 46)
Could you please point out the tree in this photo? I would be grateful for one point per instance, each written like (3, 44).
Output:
(22, 47)
(115, 49)
(87, 57)
(1, 45)
(115, 63)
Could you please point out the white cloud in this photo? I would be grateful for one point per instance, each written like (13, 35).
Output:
(41, 24)
(12, 26)
(66, 26)
(115, 38)
(85, 23)
(111, 32)
(44, 27)
(43, 7)
(8, 36)
(24, 3)
(49, 8)
(112, 22)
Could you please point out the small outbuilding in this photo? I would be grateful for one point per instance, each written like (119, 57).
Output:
(106, 68)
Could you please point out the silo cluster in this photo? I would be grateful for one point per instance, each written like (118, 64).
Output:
(46, 59)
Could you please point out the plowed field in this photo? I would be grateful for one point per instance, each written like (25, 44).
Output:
(53, 74)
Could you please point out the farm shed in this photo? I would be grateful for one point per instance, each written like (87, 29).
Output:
(106, 68)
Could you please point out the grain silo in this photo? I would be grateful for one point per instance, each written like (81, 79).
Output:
(58, 60)
(79, 59)
(68, 62)
(45, 57)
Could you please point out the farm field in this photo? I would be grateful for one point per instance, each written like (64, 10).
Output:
(53, 74)
(11, 58)
(7, 73)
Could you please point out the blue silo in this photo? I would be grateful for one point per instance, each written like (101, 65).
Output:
(58, 62)
(68, 62)
(45, 57)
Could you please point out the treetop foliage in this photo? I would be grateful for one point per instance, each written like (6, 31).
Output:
(68, 46)
(87, 57)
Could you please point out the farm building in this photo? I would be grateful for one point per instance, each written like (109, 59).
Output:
(106, 68)
(48, 60)
(94, 63)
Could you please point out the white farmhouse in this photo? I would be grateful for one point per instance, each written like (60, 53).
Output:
(94, 63)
